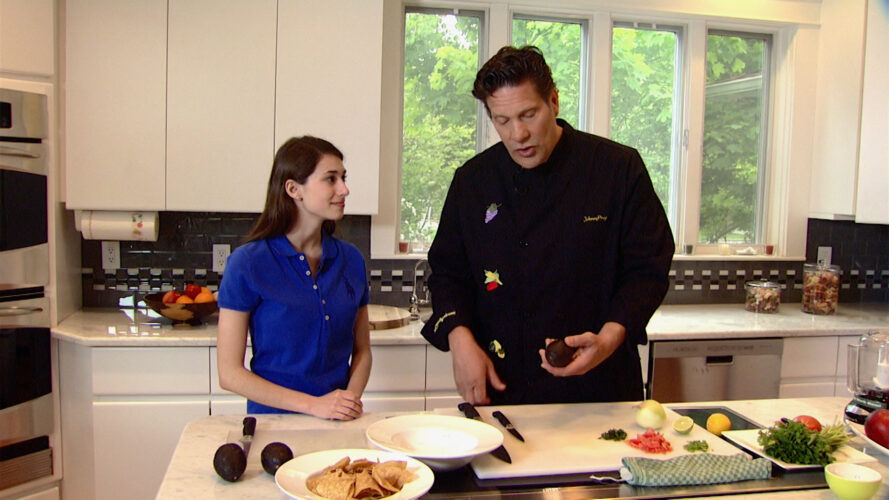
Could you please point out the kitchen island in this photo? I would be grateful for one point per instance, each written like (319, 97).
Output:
(190, 473)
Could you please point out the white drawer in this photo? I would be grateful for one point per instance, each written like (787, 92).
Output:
(809, 357)
(439, 370)
(150, 370)
(398, 368)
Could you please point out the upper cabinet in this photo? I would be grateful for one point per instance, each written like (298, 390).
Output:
(850, 163)
(27, 37)
(115, 104)
(329, 72)
(181, 104)
(872, 204)
(220, 104)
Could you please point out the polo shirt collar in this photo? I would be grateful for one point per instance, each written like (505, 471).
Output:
(329, 247)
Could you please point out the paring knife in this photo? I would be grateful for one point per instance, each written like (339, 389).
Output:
(470, 412)
(508, 425)
(247, 435)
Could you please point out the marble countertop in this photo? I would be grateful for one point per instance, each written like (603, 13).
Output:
(190, 473)
(128, 328)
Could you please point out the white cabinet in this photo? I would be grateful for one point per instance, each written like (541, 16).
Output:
(328, 85)
(134, 441)
(47, 494)
(441, 390)
(814, 366)
(115, 104)
(27, 37)
(220, 104)
(397, 379)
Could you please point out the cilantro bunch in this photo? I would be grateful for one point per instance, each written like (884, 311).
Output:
(793, 443)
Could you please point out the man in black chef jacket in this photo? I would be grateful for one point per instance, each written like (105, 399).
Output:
(550, 233)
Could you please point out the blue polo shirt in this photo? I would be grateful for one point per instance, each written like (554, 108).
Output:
(301, 328)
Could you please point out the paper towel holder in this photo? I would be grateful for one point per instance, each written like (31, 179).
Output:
(132, 225)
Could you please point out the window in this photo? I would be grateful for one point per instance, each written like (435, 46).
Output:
(712, 105)
(733, 174)
(562, 45)
(440, 123)
(643, 93)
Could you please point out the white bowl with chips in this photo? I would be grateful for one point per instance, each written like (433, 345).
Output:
(440, 441)
(292, 476)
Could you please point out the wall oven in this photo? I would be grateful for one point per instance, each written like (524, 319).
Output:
(26, 399)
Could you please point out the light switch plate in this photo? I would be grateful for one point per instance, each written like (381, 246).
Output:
(110, 254)
(824, 255)
(221, 251)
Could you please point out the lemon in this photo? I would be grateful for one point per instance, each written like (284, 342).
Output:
(683, 425)
(717, 423)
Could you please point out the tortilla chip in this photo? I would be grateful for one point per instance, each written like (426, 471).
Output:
(361, 479)
(335, 485)
(360, 465)
(366, 487)
(387, 474)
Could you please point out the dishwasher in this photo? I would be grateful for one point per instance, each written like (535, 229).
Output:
(714, 370)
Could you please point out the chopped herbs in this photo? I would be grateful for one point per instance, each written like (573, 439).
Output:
(697, 445)
(614, 435)
(793, 443)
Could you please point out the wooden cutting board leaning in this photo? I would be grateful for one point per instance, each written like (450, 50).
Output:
(384, 317)
(564, 439)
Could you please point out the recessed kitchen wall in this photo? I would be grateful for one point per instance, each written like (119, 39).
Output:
(182, 254)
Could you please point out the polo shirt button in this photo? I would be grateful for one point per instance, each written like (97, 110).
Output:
(326, 318)
(302, 257)
(308, 273)
(323, 301)
(315, 287)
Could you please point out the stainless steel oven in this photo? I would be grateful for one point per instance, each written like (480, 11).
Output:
(26, 398)
(24, 252)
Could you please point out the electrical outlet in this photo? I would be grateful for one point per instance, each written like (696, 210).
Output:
(824, 255)
(110, 254)
(220, 255)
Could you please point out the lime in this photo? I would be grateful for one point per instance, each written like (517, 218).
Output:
(683, 425)
(717, 423)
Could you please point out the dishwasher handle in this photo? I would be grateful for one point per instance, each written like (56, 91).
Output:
(720, 360)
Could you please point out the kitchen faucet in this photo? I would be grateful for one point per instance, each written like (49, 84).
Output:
(416, 301)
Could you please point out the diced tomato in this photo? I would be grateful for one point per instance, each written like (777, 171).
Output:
(651, 442)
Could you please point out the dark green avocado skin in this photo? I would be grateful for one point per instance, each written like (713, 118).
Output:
(559, 354)
(230, 462)
(274, 455)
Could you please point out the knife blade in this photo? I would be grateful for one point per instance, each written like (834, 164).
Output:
(470, 412)
(508, 425)
(247, 434)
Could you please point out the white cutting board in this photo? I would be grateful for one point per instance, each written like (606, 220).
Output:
(564, 439)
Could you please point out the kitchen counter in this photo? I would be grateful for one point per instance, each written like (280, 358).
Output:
(126, 328)
(190, 473)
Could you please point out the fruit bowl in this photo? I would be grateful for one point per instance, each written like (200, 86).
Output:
(181, 314)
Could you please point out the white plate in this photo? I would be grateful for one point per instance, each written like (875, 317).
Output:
(443, 442)
(858, 429)
(291, 477)
(748, 439)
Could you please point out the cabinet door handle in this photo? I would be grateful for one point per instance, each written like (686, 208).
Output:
(720, 360)
(11, 151)
(19, 311)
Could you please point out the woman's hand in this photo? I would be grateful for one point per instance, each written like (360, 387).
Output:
(337, 405)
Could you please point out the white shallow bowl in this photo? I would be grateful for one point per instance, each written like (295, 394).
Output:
(291, 477)
(440, 441)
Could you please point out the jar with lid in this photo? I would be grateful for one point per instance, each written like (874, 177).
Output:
(821, 288)
(762, 296)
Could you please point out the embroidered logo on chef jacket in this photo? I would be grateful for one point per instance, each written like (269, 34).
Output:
(497, 349)
(491, 212)
(598, 218)
(492, 280)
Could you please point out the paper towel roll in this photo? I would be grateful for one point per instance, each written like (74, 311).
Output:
(125, 226)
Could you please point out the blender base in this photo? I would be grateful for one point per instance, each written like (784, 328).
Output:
(857, 413)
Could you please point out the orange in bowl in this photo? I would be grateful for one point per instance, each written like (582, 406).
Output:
(204, 297)
(181, 313)
(184, 299)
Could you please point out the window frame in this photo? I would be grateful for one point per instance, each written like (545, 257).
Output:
(788, 115)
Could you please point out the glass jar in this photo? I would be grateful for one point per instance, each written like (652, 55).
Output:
(821, 288)
(762, 296)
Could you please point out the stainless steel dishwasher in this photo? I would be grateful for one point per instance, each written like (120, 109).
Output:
(714, 370)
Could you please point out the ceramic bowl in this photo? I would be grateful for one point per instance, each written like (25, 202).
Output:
(852, 481)
(181, 314)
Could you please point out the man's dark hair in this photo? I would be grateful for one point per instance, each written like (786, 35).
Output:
(512, 66)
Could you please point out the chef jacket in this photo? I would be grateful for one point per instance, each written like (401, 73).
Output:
(522, 255)
(301, 329)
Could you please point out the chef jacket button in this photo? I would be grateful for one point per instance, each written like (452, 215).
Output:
(308, 273)
(523, 243)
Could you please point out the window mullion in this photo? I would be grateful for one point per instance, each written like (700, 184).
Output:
(694, 83)
(599, 102)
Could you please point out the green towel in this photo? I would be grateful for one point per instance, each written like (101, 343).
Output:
(703, 468)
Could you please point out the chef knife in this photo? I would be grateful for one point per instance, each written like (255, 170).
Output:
(470, 412)
(247, 435)
(508, 425)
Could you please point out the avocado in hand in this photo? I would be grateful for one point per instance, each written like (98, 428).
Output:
(559, 354)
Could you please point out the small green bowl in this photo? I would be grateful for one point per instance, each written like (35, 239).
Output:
(852, 481)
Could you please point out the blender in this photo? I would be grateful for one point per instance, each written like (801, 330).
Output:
(868, 376)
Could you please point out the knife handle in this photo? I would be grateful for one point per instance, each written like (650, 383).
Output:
(249, 426)
(469, 411)
(502, 419)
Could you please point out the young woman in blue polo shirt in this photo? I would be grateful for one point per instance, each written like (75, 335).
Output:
(300, 293)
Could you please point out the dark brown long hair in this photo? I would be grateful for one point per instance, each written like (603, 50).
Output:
(296, 159)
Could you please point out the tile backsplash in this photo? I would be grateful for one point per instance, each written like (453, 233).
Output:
(182, 254)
